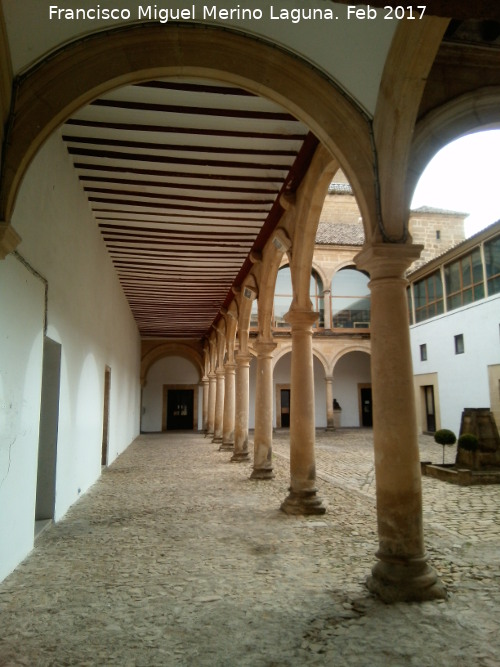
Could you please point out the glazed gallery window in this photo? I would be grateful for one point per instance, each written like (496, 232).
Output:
(428, 297)
(350, 300)
(464, 280)
(492, 261)
(283, 294)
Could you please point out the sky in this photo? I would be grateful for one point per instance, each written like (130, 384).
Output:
(465, 176)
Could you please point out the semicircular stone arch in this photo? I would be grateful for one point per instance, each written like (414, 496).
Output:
(358, 347)
(170, 350)
(50, 92)
(465, 114)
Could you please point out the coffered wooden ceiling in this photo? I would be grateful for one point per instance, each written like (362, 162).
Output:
(183, 177)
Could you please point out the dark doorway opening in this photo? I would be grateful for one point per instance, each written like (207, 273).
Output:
(48, 433)
(285, 408)
(430, 409)
(180, 404)
(105, 416)
(366, 407)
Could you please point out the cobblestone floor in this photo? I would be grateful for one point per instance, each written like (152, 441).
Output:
(176, 558)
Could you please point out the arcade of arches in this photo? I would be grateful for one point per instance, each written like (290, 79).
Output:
(130, 238)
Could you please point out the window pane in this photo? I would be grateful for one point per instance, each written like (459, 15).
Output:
(281, 306)
(466, 271)
(452, 274)
(284, 281)
(478, 291)
(429, 301)
(477, 267)
(350, 299)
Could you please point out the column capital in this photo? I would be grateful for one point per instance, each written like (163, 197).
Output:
(9, 239)
(229, 367)
(243, 358)
(265, 347)
(387, 260)
(301, 318)
(220, 372)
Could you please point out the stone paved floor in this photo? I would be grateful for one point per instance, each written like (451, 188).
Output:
(176, 558)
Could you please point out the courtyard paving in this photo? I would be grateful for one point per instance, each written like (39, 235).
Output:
(175, 557)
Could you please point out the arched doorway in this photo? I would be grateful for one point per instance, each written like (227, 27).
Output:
(170, 398)
(352, 389)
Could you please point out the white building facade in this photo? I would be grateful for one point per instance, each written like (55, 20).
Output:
(455, 332)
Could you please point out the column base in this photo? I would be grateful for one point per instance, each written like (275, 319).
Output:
(238, 457)
(262, 473)
(412, 580)
(302, 502)
(217, 439)
(330, 428)
(226, 447)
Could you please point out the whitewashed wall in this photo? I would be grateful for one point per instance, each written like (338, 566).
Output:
(21, 348)
(89, 316)
(462, 378)
(351, 369)
(169, 370)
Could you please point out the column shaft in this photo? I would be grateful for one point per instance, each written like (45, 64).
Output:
(402, 572)
(205, 384)
(263, 435)
(211, 403)
(241, 408)
(219, 405)
(228, 417)
(302, 498)
(330, 425)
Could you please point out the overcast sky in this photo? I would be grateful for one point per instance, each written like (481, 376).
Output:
(465, 176)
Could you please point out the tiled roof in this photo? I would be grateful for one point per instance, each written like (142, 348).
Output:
(466, 243)
(336, 234)
(441, 211)
(339, 189)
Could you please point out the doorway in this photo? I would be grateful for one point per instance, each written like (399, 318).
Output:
(285, 408)
(430, 408)
(48, 433)
(366, 405)
(105, 418)
(180, 409)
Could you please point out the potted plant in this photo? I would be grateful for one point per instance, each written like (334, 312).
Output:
(445, 437)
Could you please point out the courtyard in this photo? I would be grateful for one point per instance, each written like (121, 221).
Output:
(175, 558)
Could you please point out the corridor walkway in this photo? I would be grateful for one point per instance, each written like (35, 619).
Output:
(176, 558)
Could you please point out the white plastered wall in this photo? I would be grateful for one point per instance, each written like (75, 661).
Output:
(88, 315)
(350, 371)
(21, 351)
(169, 370)
(462, 378)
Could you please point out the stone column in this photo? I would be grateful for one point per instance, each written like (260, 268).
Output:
(302, 498)
(330, 425)
(211, 403)
(327, 303)
(241, 408)
(228, 417)
(205, 385)
(402, 573)
(219, 405)
(263, 435)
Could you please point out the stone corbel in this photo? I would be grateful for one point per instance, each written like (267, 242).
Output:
(281, 240)
(287, 200)
(9, 239)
